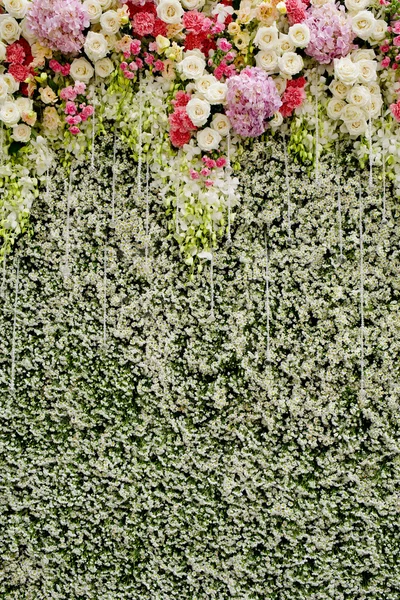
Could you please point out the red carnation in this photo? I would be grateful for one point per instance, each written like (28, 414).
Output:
(179, 138)
(194, 40)
(134, 9)
(160, 28)
(193, 21)
(15, 54)
(181, 99)
(143, 23)
(292, 98)
(19, 72)
(180, 120)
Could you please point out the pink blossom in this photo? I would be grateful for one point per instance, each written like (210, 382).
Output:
(148, 58)
(124, 66)
(193, 21)
(73, 119)
(143, 23)
(68, 93)
(396, 27)
(386, 62)
(221, 162)
(395, 66)
(74, 130)
(205, 172)
(87, 112)
(208, 183)
(153, 47)
(139, 63)
(80, 87)
(159, 65)
(396, 40)
(70, 108)
(395, 110)
(194, 174)
(218, 28)
(129, 75)
(385, 48)
(133, 66)
(224, 45)
(135, 47)
(331, 34)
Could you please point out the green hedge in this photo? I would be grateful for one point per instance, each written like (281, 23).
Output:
(174, 461)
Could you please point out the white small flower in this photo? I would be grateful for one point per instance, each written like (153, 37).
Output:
(192, 66)
(221, 123)
(335, 108)
(290, 63)
(221, 11)
(299, 35)
(10, 113)
(110, 22)
(21, 133)
(94, 10)
(208, 139)
(198, 111)
(170, 11)
(81, 70)
(346, 71)
(267, 37)
(267, 60)
(10, 31)
(16, 8)
(216, 93)
(104, 67)
(96, 46)
(363, 24)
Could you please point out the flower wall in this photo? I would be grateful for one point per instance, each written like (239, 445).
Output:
(233, 436)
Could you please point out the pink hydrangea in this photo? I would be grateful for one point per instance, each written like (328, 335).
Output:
(252, 98)
(59, 24)
(331, 35)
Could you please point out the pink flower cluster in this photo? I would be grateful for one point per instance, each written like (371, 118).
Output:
(57, 68)
(181, 126)
(296, 11)
(77, 113)
(252, 98)
(391, 47)
(59, 24)
(331, 35)
(293, 96)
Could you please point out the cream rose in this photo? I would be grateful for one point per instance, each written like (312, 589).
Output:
(267, 60)
(51, 120)
(221, 123)
(208, 139)
(276, 120)
(375, 106)
(21, 133)
(267, 37)
(363, 24)
(110, 22)
(10, 31)
(280, 84)
(10, 113)
(290, 63)
(367, 70)
(204, 82)
(105, 4)
(193, 65)
(94, 10)
(104, 67)
(339, 89)
(16, 8)
(363, 54)
(193, 4)
(352, 113)
(318, 3)
(198, 111)
(3, 48)
(13, 86)
(81, 70)
(216, 93)
(299, 35)
(284, 44)
(374, 89)
(27, 32)
(357, 127)
(96, 46)
(335, 108)
(47, 95)
(380, 30)
(356, 5)
(3, 89)
(170, 11)
(346, 71)
(359, 95)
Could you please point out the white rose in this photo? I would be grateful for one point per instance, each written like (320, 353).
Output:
(3, 89)
(276, 120)
(339, 89)
(110, 22)
(3, 49)
(280, 84)
(81, 70)
(104, 67)
(359, 95)
(96, 46)
(208, 139)
(10, 31)
(94, 10)
(10, 113)
(21, 133)
(105, 4)
(357, 127)
(352, 113)
(193, 4)
(318, 3)
(25, 105)
(335, 108)
(346, 71)
(356, 5)
(192, 66)
(374, 89)
(221, 123)
(27, 32)
(47, 95)
(363, 24)
(51, 120)
(170, 11)
(267, 60)
(299, 35)
(284, 44)
(13, 86)
(363, 54)
(204, 82)
(216, 93)
(198, 111)
(375, 106)
(380, 30)
(367, 70)
(290, 63)
(16, 8)
(267, 37)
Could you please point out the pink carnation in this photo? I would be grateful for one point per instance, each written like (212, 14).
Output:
(193, 21)
(59, 24)
(331, 35)
(87, 112)
(70, 108)
(179, 138)
(74, 130)
(19, 72)
(143, 23)
(15, 53)
(296, 11)
(395, 110)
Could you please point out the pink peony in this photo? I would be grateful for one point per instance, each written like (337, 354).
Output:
(59, 24)
(331, 35)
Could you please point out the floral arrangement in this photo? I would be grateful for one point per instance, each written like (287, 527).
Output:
(184, 84)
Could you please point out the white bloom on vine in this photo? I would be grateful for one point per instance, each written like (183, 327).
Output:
(198, 111)
(193, 65)
(104, 67)
(267, 37)
(277, 120)
(359, 95)
(94, 10)
(216, 93)
(339, 89)
(356, 5)
(267, 60)
(221, 124)
(285, 44)
(363, 24)
(10, 31)
(299, 35)
(335, 108)
(21, 133)
(346, 71)
(290, 63)
(96, 46)
(367, 70)
(208, 139)
(10, 113)
(81, 70)
(170, 11)
(16, 8)
(110, 22)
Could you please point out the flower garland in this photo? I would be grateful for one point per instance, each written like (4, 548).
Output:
(184, 84)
